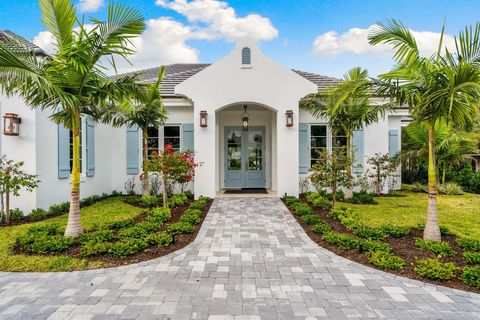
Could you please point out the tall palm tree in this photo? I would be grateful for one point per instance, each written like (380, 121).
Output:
(445, 86)
(145, 110)
(72, 82)
(347, 107)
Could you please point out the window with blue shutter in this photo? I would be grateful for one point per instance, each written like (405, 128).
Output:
(132, 150)
(187, 136)
(303, 147)
(63, 152)
(358, 151)
(393, 143)
(246, 56)
(90, 125)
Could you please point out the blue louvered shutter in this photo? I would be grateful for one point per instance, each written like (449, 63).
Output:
(90, 148)
(187, 136)
(393, 143)
(132, 150)
(63, 152)
(358, 151)
(303, 147)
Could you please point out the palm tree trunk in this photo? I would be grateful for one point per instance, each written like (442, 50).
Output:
(349, 191)
(74, 227)
(146, 182)
(432, 229)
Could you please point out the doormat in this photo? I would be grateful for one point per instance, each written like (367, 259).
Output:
(246, 191)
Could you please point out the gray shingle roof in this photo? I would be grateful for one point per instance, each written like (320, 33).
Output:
(7, 38)
(177, 73)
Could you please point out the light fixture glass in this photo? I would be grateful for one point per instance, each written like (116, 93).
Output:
(245, 117)
(289, 118)
(203, 119)
(11, 124)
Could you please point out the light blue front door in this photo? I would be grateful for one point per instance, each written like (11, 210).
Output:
(244, 157)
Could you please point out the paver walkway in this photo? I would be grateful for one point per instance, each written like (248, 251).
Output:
(251, 260)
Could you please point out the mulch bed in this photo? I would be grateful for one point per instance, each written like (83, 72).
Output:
(153, 252)
(403, 247)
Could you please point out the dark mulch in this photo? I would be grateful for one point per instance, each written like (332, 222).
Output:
(403, 247)
(180, 241)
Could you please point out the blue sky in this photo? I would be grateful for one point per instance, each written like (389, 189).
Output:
(205, 30)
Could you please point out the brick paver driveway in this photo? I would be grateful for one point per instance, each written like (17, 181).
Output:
(251, 260)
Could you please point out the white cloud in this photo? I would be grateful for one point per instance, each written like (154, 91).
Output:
(217, 20)
(46, 41)
(90, 5)
(355, 41)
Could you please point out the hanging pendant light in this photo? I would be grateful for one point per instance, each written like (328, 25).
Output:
(245, 117)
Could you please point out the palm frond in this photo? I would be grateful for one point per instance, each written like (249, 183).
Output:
(59, 17)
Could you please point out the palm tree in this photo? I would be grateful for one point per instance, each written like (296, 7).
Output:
(452, 147)
(347, 106)
(445, 86)
(145, 110)
(72, 82)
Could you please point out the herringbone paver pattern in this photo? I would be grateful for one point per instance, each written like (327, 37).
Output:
(251, 260)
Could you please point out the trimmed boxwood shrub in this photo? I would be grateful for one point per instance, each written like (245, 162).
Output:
(139, 230)
(93, 247)
(440, 248)
(120, 224)
(199, 205)
(15, 215)
(191, 216)
(434, 269)
(337, 212)
(361, 197)
(290, 200)
(311, 219)
(322, 203)
(471, 257)
(471, 276)
(342, 240)
(177, 200)
(37, 215)
(386, 260)
(372, 245)
(149, 201)
(394, 231)
(159, 239)
(366, 232)
(127, 247)
(45, 239)
(301, 208)
(58, 209)
(180, 228)
(98, 236)
(321, 228)
(469, 244)
(160, 215)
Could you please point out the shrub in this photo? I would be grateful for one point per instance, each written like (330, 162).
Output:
(37, 215)
(58, 209)
(191, 216)
(311, 219)
(310, 196)
(180, 228)
(127, 247)
(366, 232)
(340, 196)
(444, 231)
(290, 200)
(16, 214)
(468, 179)
(159, 239)
(301, 208)
(394, 231)
(93, 247)
(160, 215)
(361, 197)
(450, 188)
(386, 260)
(471, 276)
(469, 244)
(342, 240)
(88, 201)
(372, 245)
(149, 201)
(120, 224)
(322, 203)
(189, 194)
(139, 230)
(177, 200)
(321, 228)
(440, 248)
(471, 257)
(44, 239)
(97, 236)
(335, 213)
(199, 205)
(434, 269)
(133, 200)
(418, 187)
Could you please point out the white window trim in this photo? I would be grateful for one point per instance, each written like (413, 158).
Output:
(309, 145)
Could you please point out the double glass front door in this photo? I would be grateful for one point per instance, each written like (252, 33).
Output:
(244, 157)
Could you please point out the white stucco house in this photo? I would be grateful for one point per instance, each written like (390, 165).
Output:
(271, 154)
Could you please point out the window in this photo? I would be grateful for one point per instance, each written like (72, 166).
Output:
(80, 148)
(339, 140)
(318, 142)
(171, 135)
(246, 56)
(152, 140)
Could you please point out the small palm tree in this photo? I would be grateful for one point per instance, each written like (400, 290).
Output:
(145, 110)
(347, 106)
(72, 82)
(445, 86)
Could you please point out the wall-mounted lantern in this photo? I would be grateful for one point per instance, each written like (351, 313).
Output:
(289, 118)
(245, 117)
(11, 124)
(203, 119)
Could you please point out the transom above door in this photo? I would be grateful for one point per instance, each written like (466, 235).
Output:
(244, 157)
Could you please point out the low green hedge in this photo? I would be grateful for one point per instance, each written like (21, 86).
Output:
(469, 244)
(180, 228)
(440, 248)
(386, 260)
(471, 257)
(301, 208)
(159, 215)
(434, 269)
(311, 219)
(321, 228)
(471, 276)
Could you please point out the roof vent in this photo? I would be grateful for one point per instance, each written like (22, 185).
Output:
(246, 56)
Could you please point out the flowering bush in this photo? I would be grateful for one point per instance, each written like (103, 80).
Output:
(174, 167)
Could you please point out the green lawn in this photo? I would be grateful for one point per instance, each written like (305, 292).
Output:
(461, 214)
(112, 209)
